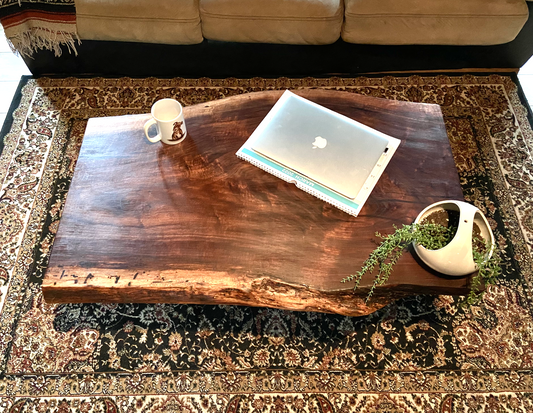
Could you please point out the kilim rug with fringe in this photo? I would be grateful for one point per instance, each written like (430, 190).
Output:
(31, 25)
(419, 354)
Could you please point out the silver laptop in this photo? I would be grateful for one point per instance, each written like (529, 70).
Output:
(322, 145)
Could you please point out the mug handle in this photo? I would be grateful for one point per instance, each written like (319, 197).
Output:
(147, 125)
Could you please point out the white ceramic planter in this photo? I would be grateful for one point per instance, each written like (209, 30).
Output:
(456, 258)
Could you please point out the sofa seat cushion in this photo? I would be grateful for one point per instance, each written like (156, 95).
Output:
(272, 21)
(450, 22)
(150, 21)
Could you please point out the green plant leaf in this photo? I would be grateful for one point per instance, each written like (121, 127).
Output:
(431, 236)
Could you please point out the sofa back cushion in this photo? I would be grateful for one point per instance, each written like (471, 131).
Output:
(150, 21)
(272, 21)
(446, 22)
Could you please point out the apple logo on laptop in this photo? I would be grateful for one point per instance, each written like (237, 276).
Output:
(320, 142)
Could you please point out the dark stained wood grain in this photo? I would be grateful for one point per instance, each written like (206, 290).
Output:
(192, 223)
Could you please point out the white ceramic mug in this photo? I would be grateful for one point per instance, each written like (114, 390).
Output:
(167, 115)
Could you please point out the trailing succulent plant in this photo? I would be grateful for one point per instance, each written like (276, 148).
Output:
(431, 236)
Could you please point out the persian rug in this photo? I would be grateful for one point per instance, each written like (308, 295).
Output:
(31, 25)
(418, 354)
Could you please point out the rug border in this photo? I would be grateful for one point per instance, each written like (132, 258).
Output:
(460, 374)
(15, 102)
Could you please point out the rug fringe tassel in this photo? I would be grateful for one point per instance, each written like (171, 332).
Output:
(29, 41)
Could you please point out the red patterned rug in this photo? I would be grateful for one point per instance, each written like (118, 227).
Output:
(419, 354)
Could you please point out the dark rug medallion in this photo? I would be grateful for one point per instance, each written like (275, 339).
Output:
(419, 354)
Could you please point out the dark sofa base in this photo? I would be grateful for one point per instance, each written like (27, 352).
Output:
(219, 59)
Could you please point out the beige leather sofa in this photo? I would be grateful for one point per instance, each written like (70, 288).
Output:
(221, 38)
(303, 22)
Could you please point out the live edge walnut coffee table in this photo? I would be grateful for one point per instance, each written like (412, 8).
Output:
(192, 223)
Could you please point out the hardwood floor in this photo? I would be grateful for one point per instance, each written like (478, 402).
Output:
(12, 67)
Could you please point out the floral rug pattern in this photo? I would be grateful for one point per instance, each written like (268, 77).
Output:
(419, 354)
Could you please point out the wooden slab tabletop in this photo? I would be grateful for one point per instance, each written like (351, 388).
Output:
(192, 223)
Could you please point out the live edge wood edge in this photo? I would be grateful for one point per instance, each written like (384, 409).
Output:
(257, 292)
